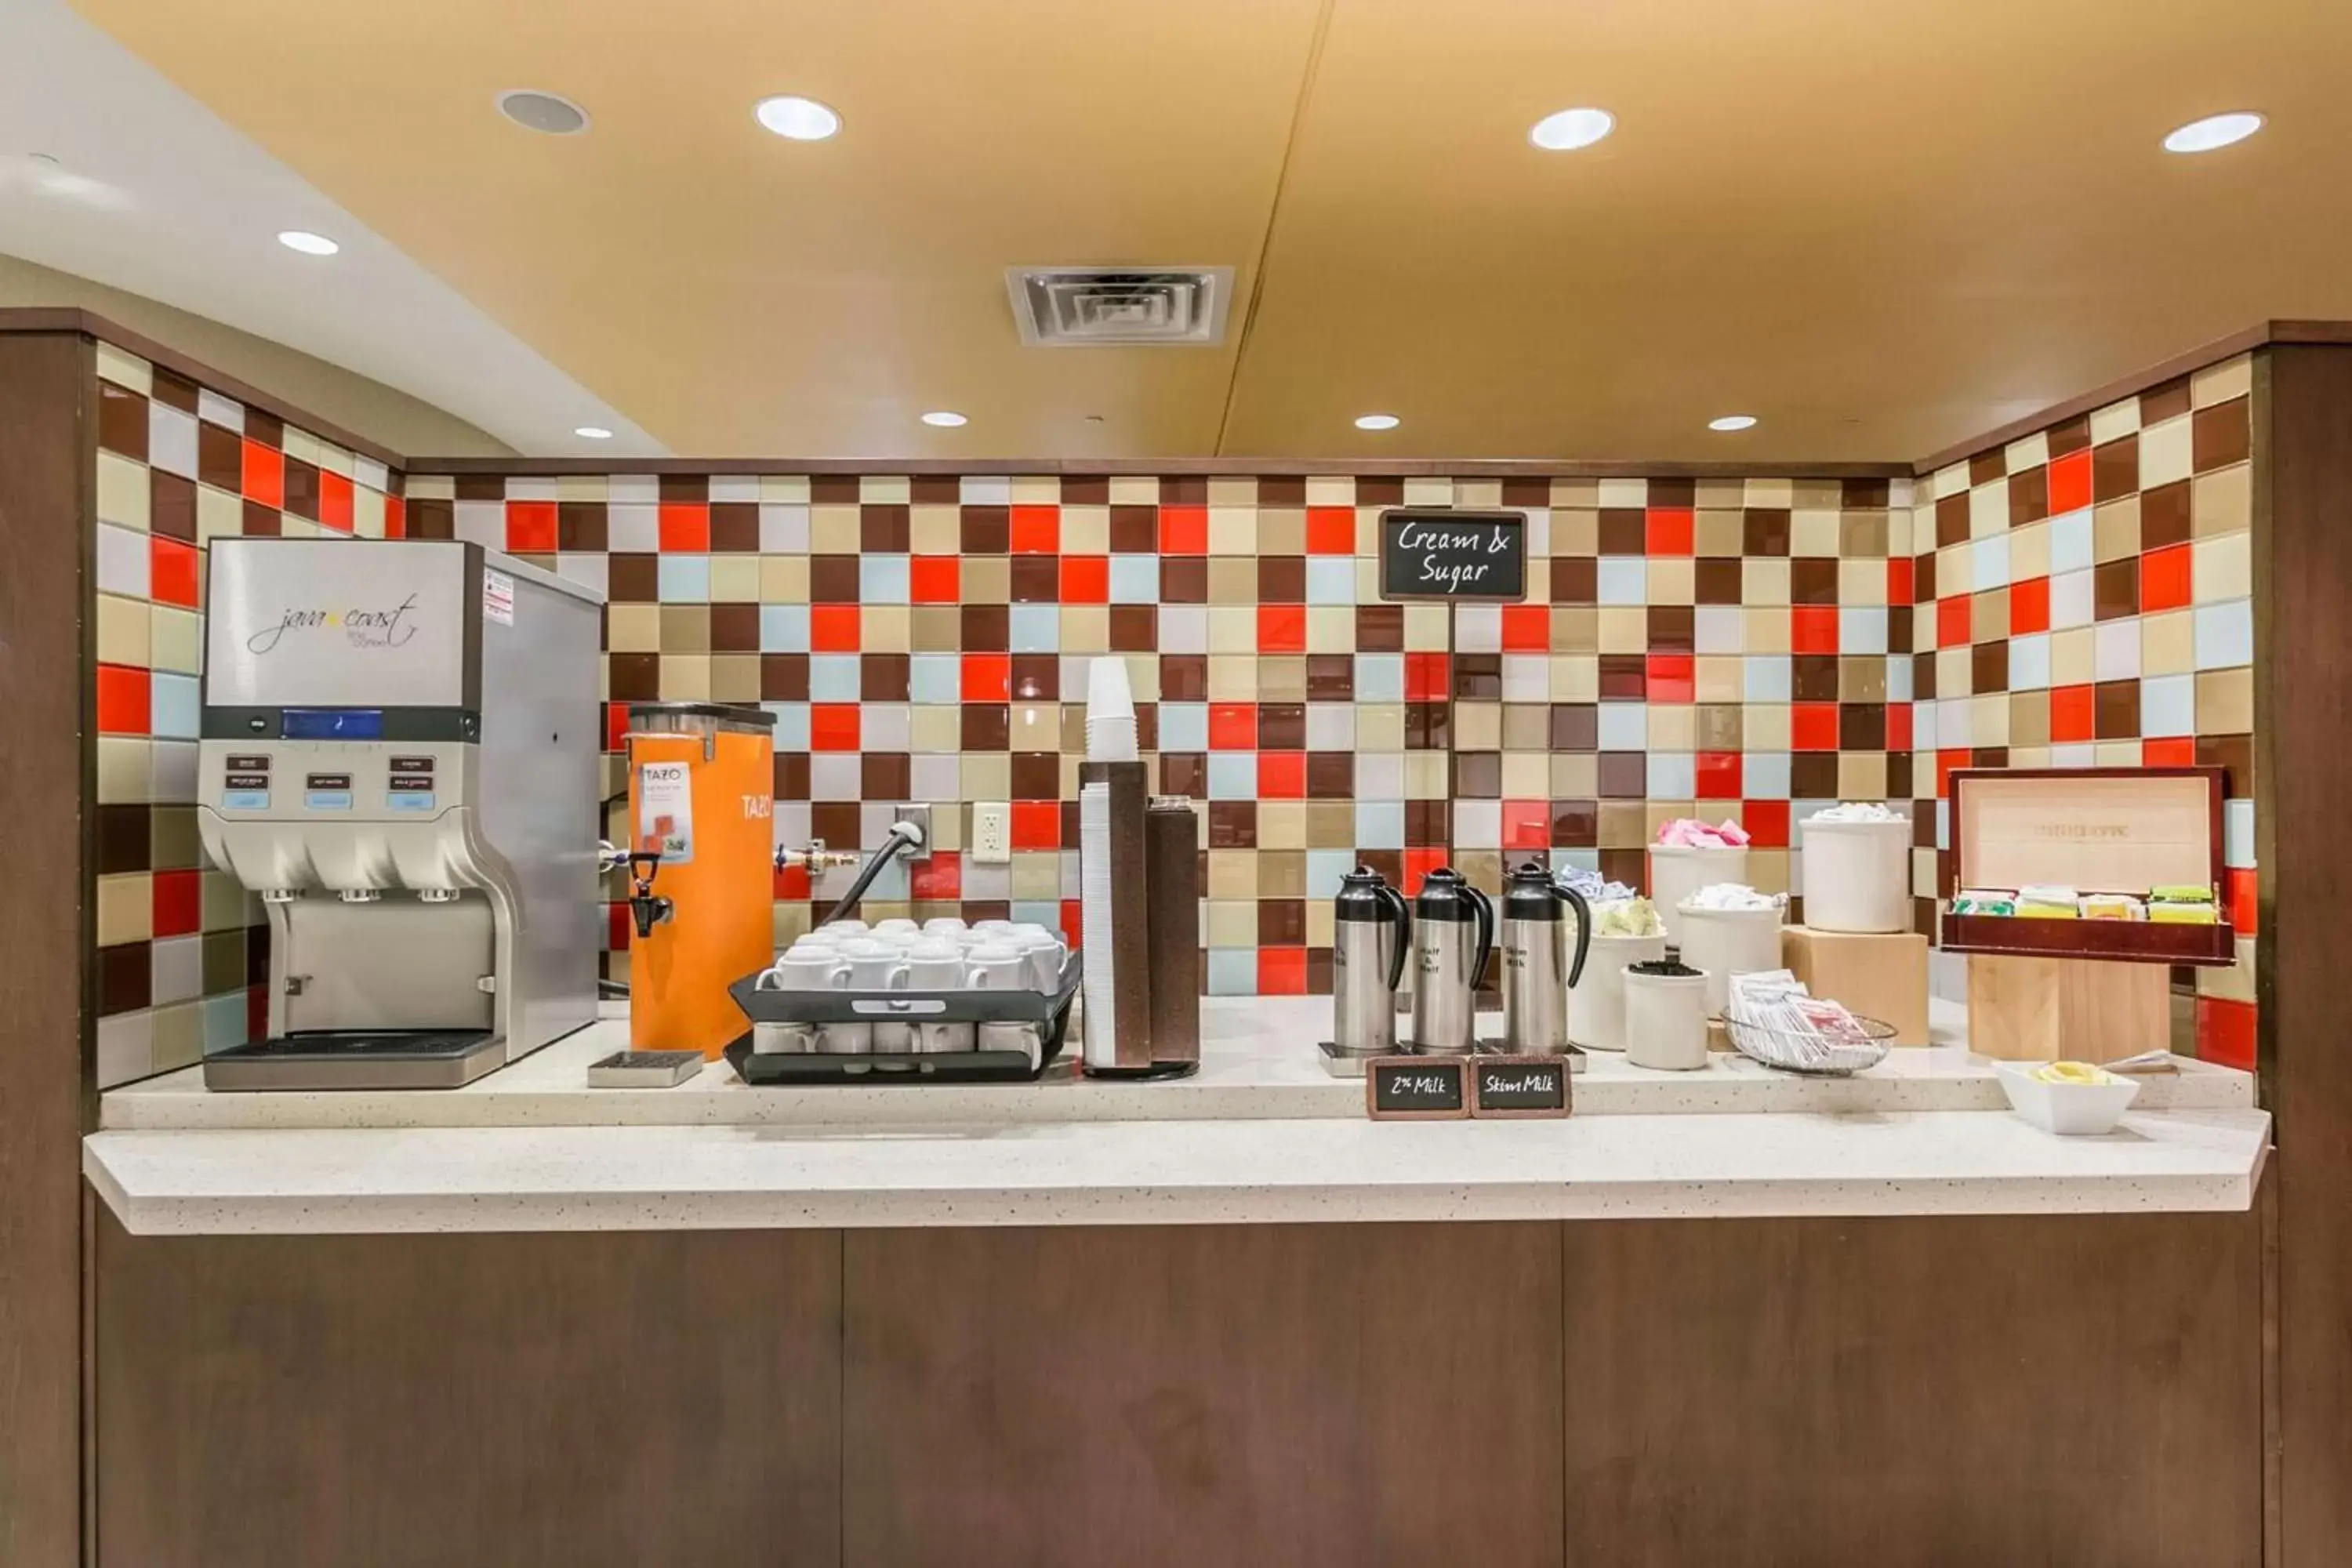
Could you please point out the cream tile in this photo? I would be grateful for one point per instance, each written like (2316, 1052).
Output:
(934, 728)
(2164, 452)
(1427, 491)
(303, 447)
(1624, 628)
(1720, 679)
(2114, 531)
(1034, 489)
(784, 579)
(885, 628)
(834, 531)
(1233, 628)
(986, 775)
(175, 639)
(1526, 775)
(1233, 677)
(734, 579)
(122, 630)
(1672, 579)
(2223, 567)
(1086, 531)
(1330, 628)
(934, 530)
(1379, 727)
(1989, 719)
(1988, 510)
(2114, 420)
(292, 527)
(125, 770)
(1767, 493)
(1478, 493)
(1281, 678)
(1674, 727)
(783, 490)
(684, 677)
(219, 515)
(1036, 873)
(1575, 677)
(125, 369)
(883, 490)
(1477, 726)
(1424, 776)
(1948, 480)
(1765, 630)
(2030, 453)
(1954, 676)
(2029, 552)
(1233, 530)
(2116, 755)
(2168, 643)
(2223, 500)
(2073, 656)
(419, 486)
(1233, 920)
(1861, 581)
(2219, 382)
(1813, 533)
(1281, 824)
(1764, 580)
(367, 513)
(1625, 492)
(1764, 726)
(1575, 775)
(123, 489)
(1425, 628)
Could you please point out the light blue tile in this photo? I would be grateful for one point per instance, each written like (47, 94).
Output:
(1380, 825)
(1624, 726)
(1764, 775)
(1719, 628)
(792, 725)
(2225, 634)
(1324, 869)
(2238, 834)
(1183, 726)
(1379, 678)
(2076, 755)
(1898, 677)
(1673, 775)
(882, 579)
(2029, 662)
(934, 677)
(2070, 543)
(1037, 911)
(683, 579)
(2167, 705)
(1135, 579)
(1582, 859)
(1232, 776)
(1624, 579)
(1233, 972)
(174, 705)
(1988, 562)
(833, 677)
(1862, 628)
(784, 628)
(1036, 628)
(1944, 824)
(225, 1024)
(1330, 579)
(1768, 677)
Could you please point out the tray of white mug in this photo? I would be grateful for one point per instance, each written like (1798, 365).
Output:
(1040, 1020)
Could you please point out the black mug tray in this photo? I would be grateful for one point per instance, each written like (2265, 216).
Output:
(1049, 1014)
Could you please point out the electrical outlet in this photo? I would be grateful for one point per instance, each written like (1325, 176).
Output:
(991, 833)
(921, 815)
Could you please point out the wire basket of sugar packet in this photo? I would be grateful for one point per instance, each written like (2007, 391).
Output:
(1773, 1019)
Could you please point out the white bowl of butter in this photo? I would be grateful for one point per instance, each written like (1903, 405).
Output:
(2072, 1099)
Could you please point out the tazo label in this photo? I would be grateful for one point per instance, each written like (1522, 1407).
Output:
(665, 812)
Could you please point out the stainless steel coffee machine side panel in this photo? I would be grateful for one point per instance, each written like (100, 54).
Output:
(542, 735)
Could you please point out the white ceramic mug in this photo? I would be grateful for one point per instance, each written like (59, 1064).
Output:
(991, 928)
(842, 931)
(997, 966)
(805, 968)
(935, 965)
(898, 930)
(1021, 1037)
(932, 1039)
(782, 1039)
(1044, 954)
(875, 965)
(944, 925)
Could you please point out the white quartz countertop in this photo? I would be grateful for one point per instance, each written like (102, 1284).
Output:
(1166, 1173)
(1259, 1061)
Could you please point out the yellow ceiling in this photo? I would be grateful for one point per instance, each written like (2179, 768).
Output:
(1883, 227)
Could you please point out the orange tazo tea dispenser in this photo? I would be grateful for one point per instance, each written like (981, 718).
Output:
(701, 850)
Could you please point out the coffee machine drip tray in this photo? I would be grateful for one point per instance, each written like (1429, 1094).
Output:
(357, 1059)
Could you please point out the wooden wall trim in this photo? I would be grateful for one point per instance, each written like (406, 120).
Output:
(1215, 468)
(48, 530)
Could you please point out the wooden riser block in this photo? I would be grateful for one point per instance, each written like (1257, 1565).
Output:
(2057, 1009)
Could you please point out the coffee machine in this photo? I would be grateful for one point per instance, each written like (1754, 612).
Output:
(400, 754)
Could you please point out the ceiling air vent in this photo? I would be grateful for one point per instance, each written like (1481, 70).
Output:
(1082, 307)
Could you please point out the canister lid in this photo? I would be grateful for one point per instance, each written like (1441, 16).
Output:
(693, 718)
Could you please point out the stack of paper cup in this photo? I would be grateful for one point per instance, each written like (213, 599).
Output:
(1094, 905)
(1110, 710)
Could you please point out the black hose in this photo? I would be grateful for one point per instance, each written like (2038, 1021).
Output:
(897, 844)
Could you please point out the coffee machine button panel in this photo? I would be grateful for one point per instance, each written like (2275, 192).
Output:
(327, 791)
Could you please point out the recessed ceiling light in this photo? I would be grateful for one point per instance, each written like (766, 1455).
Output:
(945, 419)
(1733, 422)
(549, 112)
(1377, 422)
(2212, 131)
(798, 119)
(309, 244)
(594, 433)
(1571, 129)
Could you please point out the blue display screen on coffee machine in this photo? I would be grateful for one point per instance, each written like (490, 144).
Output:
(334, 724)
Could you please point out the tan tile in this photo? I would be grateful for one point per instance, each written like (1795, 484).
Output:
(1232, 874)
(935, 727)
(1719, 494)
(834, 531)
(1764, 581)
(2018, 757)
(1368, 579)
(2116, 755)
(122, 630)
(1766, 726)
(1575, 533)
(1281, 824)
(636, 629)
(1526, 775)
(1233, 628)
(2114, 530)
(1575, 775)
(1330, 825)
(1575, 677)
(985, 580)
(2225, 701)
(2029, 552)
(1861, 581)
(1862, 677)
(734, 579)
(887, 629)
(1319, 917)
(1233, 492)
(1036, 490)
(1956, 565)
(1816, 495)
(935, 530)
(681, 628)
(122, 490)
(1233, 677)
(1989, 719)
(126, 908)
(1086, 628)
(2029, 718)
(1813, 533)
(1719, 728)
(986, 775)
(1232, 583)
(1282, 873)
(1672, 579)
(2223, 501)
(2219, 382)
(1767, 870)
(1764, 629)
(1954, 673)
(1036, 873)
(934, 629)
(2071, 661)
(1232, 921)
(2168, 643)
(735, 677)
(949, 829)
(684, 677)
(1863, 534)
(225, 904)
(1624, 825)
(175, 639)
(1721, 678)
(1281, 678)
(1330, 628)
(1862, 775)
(1527, 727)
(1325, 490)
(1538, 580)
(1039, 727)
(1624, 628)
(1714, 533)
(2223, 567)
(1282, 530)
(1379, 727)
(1575, 629)
(787, 490)
(1478, 726)
(1674, 727)
(1425, 775)
(784, 579)
(1086, 531)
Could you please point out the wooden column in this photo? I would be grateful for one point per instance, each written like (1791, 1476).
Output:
(48, 475)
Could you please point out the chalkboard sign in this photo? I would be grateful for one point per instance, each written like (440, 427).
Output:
(1519, 1085)
(1416, 1088)
(1442, 554)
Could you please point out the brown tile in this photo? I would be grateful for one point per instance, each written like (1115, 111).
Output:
(1625, 677)
(1281, 922)
(1575, 727)
(1037, 677)
(986, 530)
(1282, 726)
(1625, 776)
(988, 727)
(1146, 726)
(734, 527)
(1134, 530)
(1526, 492)
(834, 821)
(1183, 580)
(2220, 435)
(783, 678)
(1951, 519)
(1813, 580)
(1986, 467)
(2169, 401)
(1814, 775)
(1478, 677)
(2114, 468)
(1330, 677)
(1627, 866)
(1898, 777)
(882, 528)
(1673, 492)
(1134, 628)
(1898, 628)
(885, 775)
(1477, 775)
(470, 487)
(735, 629)
(262, 522)
(1282, 579)
(792, 770)
(1923, 677)
(301, 482)
(1862, 726)
(581, 525)
(1184, 772)
(935, 490)
(122, 421)
(2164, 515)
(2235, 755)
(1036, 579)
(437, 520)
(1813, 678)
(1183, 678)
(881, 677)
(171, 505)
(1428, 726)
(222, 961)
(220, 458)
(1862, 535)
(1863, 495)
(1282, 490)
(1988, 667)
(1765, 530)
(987, 628)
(123, 972)
(2115, 589)
(1922, 578)
(1380, 629)
(1379, 490)
(692, 486)
(1673, 629)
(1718, 580)
(2071, 436)
(173, 391)
(635, 677)
(1233, 825)
(2029, 496)
(631, 578)
(123, 840)
(1576, 579)
(833, 580)
(1037, 775)
(1330, 775)
(1085, 489)
(1623, 531)
(1428, 823)
(1575, 824)
(2115, 710)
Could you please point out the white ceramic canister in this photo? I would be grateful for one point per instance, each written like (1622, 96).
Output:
(1596, 1003)
(1666, 1020)
(1726, 943)
(1676, 872)
(1856, 874)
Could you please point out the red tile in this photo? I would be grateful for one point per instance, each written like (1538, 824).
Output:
(935, 579)
(1898, 580)
(1666, 530)
(2163, 578)
(988, 678)
(1718, 776)
(264, 474)
(2242, 891)
(1812, 727)
(1037, 824)
(178, 903)
(2172, 752)
(257, 1012)
(1183, 531)
(335, 502)
(1073, 922)
(832, 726)
(2029, 606)
(684, 525)
(171, 571)
(792, 882)
(530, 526)
(1526, 628)
(1282, 628)
(2070, 482)
(619, 928)
(2225, 1031)
(1037, 530)
(1425, 678)
(1814, 628)
(1330, 531)
(1673, 678)
(1418, 864)
(832, 628)
(1947, 765)
(1527, 824)
(1282, 776)
(1952, 616)
(1767, 822)
(395, 516)
(2073, 713)
(1085, 579)
(1282, 972)
(616, 725)
(123, 700)
(940, 877)
(1898, 726)
(1233, 726)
